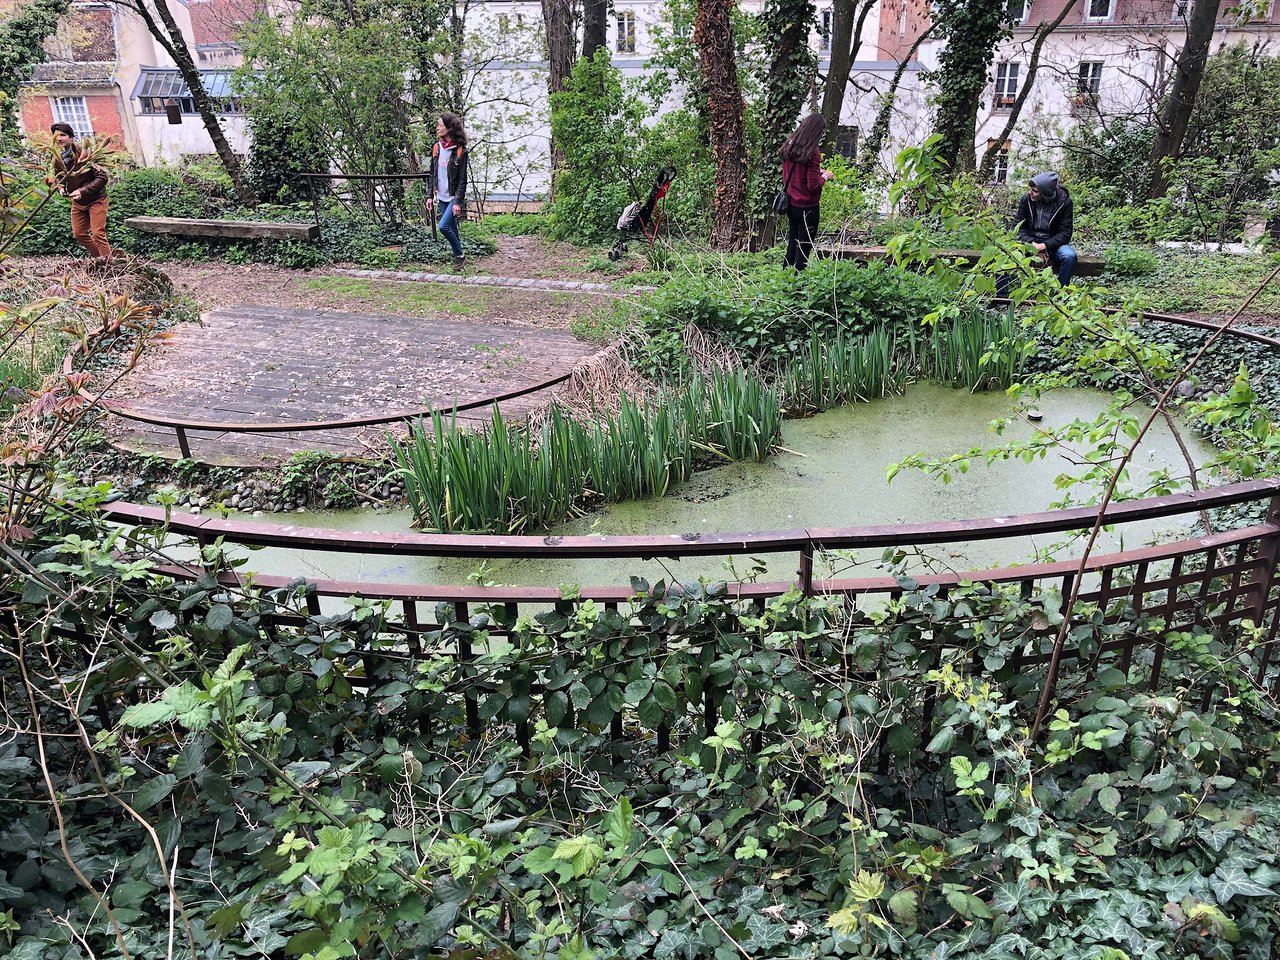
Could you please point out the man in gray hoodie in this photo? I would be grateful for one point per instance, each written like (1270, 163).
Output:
(1045, 221)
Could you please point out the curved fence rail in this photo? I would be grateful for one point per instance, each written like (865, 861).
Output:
(182, 426)
(1222, 579)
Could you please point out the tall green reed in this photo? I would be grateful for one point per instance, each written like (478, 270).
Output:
(507, 477)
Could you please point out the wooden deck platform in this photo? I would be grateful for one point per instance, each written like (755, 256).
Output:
(267, 364)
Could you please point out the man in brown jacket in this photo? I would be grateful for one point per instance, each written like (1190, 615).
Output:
(85, 184)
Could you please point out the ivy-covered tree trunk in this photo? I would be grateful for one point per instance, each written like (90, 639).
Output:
(169, 35)
(971, 29)
(22, 39)
(1175, 115)
(595, 25)
(713, 36)
(847, 20)
(790, 75)
(989, 156)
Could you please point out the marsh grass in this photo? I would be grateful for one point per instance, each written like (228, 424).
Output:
(512, 477)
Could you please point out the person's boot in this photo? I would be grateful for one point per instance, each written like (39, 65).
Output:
(459, 262)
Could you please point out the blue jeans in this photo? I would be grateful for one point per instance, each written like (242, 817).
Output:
(448, 226)
(1065, 260)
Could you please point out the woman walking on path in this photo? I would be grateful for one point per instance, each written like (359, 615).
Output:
(449, 175)
(85, 183)
(803, 179)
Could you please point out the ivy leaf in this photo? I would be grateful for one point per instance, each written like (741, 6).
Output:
(617, 824)
(218, 618)
(765, 935)
(153, 791)
(437, 923)
(163, 620)
(1109, 799)
(1156, 782)
(1231, 880)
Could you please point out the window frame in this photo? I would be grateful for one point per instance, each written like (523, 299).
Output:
(1091, 17)
(1007, 83)
(1089, 78)
(625, 42)
(1026, 11)
(57, 105)
(826, 21)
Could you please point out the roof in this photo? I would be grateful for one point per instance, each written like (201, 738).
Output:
(167, 82)
(74, 74)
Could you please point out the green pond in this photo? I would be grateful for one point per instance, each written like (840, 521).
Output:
(832, 474)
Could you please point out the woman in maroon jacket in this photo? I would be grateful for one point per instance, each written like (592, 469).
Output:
(85, 184)
(803, 177)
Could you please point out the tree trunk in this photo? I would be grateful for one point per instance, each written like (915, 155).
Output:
(988, 165)
(790, 73)
(874, 143)
(170, 37)
(1176, 112)
(972, 29)
(557, 21)
(713, 36)
(595, 26)
(846, 40)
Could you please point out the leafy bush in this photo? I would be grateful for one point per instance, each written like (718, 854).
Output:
(772, 311)
(511, 224)
(612, 158)
(1124, 260)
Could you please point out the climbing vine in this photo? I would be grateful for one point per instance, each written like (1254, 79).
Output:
(971, 29)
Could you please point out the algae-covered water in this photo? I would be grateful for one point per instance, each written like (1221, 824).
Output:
(832, 474)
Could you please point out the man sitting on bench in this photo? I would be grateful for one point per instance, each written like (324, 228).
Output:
(1044, 221)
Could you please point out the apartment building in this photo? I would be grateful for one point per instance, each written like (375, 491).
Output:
(108, 77)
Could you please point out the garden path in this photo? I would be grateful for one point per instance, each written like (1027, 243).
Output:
(271, 364)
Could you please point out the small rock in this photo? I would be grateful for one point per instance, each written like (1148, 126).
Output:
(257, 513)
(1186, 389)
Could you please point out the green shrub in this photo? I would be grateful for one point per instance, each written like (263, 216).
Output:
(772, 312)
(511, 224)
(1124, 260)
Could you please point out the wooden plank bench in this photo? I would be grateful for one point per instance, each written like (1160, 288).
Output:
(231, 229)
(1086, 266)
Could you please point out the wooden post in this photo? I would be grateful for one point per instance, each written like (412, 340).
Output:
(182, 443)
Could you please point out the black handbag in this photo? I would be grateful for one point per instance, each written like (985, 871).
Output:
(782, 202)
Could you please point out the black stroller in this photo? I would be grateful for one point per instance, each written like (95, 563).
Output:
(643, 220)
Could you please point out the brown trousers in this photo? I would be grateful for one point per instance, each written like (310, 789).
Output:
(89, 227)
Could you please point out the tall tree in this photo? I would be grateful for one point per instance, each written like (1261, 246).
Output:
(22, 39)
(790, 75)
(992, 153)
(162, 26)
(595, 25)
(1171, 128)
(971, 29)
(847, 20)
(713, 36)
(557, 23)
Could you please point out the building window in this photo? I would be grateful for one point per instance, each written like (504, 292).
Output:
(627, 32)
(1019, 10)
(74, 111)
(157, 85)
(1000, 172)
(847, 141)
(824, 32)
(1006, 84)
(1098, 10)
(1089, 79)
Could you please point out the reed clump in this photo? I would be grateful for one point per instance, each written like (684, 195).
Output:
(511, 477)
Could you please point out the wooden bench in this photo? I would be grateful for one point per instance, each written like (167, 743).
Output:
(1086, 266)
(230, 229)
